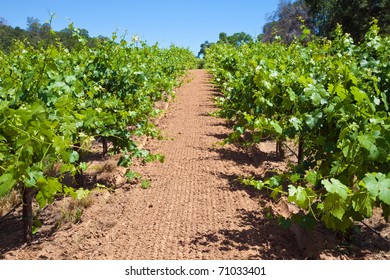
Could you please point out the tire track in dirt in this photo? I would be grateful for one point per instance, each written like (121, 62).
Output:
(193, 209)
(189, 202)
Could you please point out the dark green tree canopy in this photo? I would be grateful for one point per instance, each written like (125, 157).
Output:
(203, 48)
(237, 39)
(355, 16)
(322, 17)
(36, 33)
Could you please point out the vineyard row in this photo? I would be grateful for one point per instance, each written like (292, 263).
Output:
(55, 102)
(330, 97)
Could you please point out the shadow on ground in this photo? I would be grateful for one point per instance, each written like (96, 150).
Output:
(259, 238)
(11, 231)
(259, 235)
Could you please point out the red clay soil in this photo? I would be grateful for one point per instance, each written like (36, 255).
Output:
(194, 208)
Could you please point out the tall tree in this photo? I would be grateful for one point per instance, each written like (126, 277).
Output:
(354, 15)
(223, 37)
(84, 33)
(237, 39)
(286, 22)
(203, 48)
(33, 24)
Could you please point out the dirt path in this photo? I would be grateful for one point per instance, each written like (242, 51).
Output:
(194, 208)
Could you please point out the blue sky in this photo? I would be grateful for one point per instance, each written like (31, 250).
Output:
(181, 22)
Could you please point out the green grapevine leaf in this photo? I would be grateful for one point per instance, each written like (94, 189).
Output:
(299, 196)
(7, 182)
(81, 193)
(295, 178)
(32, 178)
(368, 142)
(334, 186)
(363, 203)
(335, 205)
(277, 127)
(74, 157)
(312, 177)
(359, 95)
(378, 186)
(296, 123)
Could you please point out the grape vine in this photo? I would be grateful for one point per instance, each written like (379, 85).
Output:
(56, 102)
(329, 96)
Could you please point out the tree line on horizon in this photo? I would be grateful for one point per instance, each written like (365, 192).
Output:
(36, 33)
(321, 17)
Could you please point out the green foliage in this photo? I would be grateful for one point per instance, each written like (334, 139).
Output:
(145, 184)
(331, 97)
(203, 49)
(237, 39)
(37, 34)
(73, 211)
(54, 102)
(354, 15)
